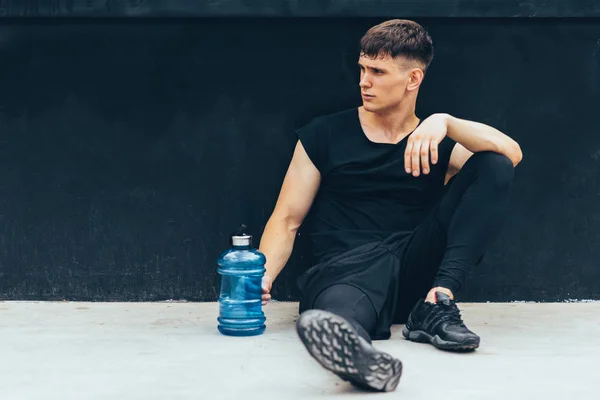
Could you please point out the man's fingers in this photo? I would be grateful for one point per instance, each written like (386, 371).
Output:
(433, 151)
(415, 155)
(425, 157)
(265, 298)
(266, 282)
(407, 157)
(266, 289)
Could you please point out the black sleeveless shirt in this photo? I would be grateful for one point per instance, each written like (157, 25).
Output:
(365, 194)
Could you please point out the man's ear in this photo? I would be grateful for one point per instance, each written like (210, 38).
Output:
(416, 76)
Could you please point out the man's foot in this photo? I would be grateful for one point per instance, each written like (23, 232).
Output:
(336, 345)
(440, 324)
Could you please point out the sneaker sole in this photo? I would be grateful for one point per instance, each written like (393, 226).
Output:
(337, 347)
(436, 341)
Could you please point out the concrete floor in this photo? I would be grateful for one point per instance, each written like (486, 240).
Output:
(174, 351)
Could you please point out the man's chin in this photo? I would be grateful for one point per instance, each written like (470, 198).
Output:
(370, 107)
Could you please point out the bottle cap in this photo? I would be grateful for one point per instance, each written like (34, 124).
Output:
(241, 238)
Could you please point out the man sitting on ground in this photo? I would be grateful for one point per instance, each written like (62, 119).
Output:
(400, 210)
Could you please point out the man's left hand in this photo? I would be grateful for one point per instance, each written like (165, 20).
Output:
(423, 144)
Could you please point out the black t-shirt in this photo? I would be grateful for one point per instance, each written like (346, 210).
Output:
(365, 193)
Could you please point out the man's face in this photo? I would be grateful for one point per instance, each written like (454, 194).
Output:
(383, 82)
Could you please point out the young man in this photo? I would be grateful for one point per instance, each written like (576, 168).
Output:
(400, 210)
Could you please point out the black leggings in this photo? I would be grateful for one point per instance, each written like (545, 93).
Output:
(442, 250)
(350, 303)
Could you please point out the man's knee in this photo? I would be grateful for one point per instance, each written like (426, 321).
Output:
(495, 168)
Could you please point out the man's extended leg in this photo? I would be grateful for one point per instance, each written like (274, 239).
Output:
(336, 333)
(350, 303)
(443, 249)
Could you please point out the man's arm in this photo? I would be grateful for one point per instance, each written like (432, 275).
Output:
(470, 137)
(297, 193)
(473, 137)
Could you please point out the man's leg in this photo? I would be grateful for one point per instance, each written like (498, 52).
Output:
(443, 249)
(351, 304)
(336, 333)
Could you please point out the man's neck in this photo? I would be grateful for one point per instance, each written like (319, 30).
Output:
(391, 126)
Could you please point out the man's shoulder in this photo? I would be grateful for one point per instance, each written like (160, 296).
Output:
(321, 134)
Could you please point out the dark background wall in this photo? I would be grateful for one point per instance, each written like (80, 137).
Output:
(130, 149)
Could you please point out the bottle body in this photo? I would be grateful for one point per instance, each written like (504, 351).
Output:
(240, 306)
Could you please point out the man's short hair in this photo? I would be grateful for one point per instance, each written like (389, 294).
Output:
(396, 38)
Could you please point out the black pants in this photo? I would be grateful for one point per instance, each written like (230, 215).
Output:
(442, 250)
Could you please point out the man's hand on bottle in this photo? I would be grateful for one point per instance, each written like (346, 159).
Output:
(266, 289)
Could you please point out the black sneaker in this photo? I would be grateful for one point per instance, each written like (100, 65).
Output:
(440, 324)
(336, 345)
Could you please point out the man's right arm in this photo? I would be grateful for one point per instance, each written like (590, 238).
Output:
(297, 193)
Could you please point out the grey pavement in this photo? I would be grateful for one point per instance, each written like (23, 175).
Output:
(172, 350)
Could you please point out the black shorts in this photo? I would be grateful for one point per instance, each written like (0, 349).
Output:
(376, 269)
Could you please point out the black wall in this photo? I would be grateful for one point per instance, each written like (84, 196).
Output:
(303, 8)
(130, 149)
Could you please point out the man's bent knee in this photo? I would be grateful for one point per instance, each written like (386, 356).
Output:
(494, 168)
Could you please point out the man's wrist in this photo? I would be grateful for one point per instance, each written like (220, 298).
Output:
(445, 118)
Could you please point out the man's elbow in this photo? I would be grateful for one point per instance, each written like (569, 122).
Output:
(286, 221)
(516, 155)
(511, 149)
(293, 223)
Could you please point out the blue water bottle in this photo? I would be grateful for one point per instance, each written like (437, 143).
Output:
(240, 305)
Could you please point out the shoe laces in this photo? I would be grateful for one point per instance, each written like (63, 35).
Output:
(449, 313)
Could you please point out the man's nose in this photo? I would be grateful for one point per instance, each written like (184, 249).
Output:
(364, 82)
